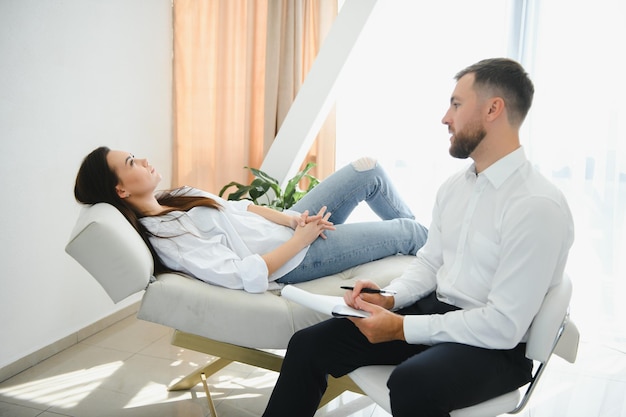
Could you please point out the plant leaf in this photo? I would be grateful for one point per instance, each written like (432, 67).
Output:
(260, 174)
(230, 184)
(258, 187)
(292, 184)
(312, 182)
(240, 193)
(263, 182)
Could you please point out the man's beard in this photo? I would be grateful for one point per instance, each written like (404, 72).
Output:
(466, 141)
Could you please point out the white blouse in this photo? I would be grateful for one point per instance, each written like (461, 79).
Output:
(221, 247)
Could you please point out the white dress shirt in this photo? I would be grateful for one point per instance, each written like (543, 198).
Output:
(221, 247)
(498, 241)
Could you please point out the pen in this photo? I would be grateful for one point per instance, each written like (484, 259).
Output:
(371, 290)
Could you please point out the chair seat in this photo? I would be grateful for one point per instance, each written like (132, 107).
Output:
(369, 378)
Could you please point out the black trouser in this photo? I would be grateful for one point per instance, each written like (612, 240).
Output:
(429, 381)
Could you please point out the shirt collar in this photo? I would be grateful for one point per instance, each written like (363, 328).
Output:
(502, 169)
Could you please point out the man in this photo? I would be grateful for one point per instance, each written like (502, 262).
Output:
(456, 327)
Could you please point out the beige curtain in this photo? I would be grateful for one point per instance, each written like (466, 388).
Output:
(238, 64)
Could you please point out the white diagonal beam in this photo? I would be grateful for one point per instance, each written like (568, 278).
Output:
(317, 94)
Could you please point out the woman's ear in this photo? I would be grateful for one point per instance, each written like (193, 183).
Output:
(121, 193)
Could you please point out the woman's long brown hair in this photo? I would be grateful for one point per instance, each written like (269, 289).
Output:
(96, 182)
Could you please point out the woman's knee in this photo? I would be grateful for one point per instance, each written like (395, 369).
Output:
(364, 164)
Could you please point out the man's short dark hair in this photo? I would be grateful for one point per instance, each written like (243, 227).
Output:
(505, 78)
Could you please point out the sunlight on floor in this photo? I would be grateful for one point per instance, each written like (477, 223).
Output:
(66, 390)
(260, 381)
(154, 393)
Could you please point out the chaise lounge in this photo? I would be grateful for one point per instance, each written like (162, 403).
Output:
(232, 325)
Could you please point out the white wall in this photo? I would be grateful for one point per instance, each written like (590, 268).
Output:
(74, 74)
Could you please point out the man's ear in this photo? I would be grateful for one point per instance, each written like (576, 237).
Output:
(495, 109)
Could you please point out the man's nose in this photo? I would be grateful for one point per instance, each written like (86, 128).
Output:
(443, 119)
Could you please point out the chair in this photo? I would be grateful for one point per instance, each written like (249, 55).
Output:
(551, 332)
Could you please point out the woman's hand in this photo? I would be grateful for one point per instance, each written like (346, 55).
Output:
(310, 228)
(307, 229)
(300, 220)
(320, 220)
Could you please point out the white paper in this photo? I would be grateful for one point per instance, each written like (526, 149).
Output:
(326, 304)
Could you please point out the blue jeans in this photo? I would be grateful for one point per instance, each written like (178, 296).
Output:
(357, 243)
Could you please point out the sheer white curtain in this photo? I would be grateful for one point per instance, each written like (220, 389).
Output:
(396, 89)
(576, 137)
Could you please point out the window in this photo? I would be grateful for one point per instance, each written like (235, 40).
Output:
(397, 83)
(575, 135)
(395, 90)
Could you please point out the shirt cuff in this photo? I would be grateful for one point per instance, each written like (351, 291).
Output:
(417, 330)
(254, 274)
(401, 298)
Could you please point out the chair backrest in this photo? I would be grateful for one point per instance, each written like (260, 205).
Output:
(549, 327)
(110, 249)
(551, 332)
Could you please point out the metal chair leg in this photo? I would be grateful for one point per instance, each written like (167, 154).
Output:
(208, 395)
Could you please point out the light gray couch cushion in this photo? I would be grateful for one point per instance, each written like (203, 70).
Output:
(264, 321)
(110, 249)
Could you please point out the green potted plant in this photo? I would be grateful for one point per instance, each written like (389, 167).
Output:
(265, 190)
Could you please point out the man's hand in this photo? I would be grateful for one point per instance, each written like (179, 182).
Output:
(381, 326)
(350, 297)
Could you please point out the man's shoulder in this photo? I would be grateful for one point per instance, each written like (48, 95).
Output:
(537, 183)
(533, 192)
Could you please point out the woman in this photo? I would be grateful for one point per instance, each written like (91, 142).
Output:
(239, 245)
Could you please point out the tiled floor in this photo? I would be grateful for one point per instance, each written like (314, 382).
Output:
(124, 371)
